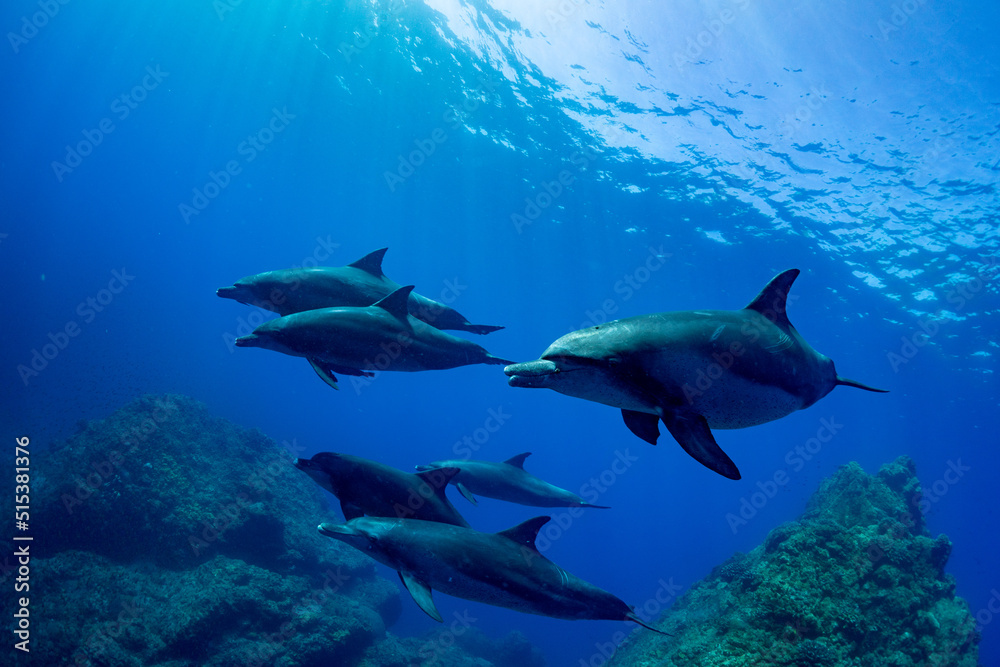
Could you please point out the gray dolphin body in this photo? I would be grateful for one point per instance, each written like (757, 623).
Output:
(694, 370)
(360, 340)
(502, 569)
(368, 487)
(360, 283)
(508, 481)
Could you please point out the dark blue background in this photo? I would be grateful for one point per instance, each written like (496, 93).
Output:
(321, 181)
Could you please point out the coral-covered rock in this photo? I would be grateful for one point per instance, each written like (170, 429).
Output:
(856, 582)
(164, 480)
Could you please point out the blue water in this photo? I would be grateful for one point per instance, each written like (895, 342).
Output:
(186, 145)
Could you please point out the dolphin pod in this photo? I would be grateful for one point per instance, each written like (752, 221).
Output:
(353, 340)
(694, 370)
(360, 283)
(508, 481)
(504, 569)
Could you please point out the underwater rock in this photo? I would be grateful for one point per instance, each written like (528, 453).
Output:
(171, 538)
(857, 581)
(164, 480)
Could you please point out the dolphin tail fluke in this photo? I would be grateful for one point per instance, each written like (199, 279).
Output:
(859, 385)
(481, 329)
(692, 432)
(635, 619)
(496, 361)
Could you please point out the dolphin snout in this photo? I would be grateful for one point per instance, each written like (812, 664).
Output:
(250, 340)
(531, 373)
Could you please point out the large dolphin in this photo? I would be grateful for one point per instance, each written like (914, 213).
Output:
(695, 370)
(508, 481)
(361, 340)
(368, 487)
(504, 569)
(360, 283)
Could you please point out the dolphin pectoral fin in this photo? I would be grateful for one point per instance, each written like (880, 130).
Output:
(350, 511)
(468, 494)
(421, 594)
(643, 424)
(692, 432)
(859, 385)
(324, 374)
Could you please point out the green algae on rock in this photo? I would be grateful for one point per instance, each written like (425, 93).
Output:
(857, 581)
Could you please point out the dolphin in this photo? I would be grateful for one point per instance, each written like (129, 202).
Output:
(507, 481)
(368, 487)
(360, 283)
(694, 370)
(360, 340)
(504, 569)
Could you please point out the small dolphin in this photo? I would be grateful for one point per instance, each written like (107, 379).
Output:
(361, 340)
(368, 487)
(507, 481)
(504, 569)
(695, 370)
(360, 283)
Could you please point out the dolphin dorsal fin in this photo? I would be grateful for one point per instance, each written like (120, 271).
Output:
(396, 303)
(524, 534)
(371, 263)
(771, 301)
(518, 461)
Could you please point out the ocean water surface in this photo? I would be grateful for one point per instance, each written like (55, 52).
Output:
(545, 166)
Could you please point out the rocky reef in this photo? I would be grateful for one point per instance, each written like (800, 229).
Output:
(857, 581)
(166, 536)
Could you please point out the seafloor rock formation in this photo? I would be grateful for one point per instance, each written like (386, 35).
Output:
(856, 582)
(165, 536)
